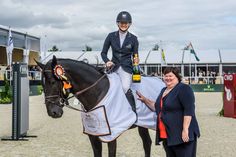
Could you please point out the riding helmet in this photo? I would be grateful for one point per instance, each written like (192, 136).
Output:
(124, 16)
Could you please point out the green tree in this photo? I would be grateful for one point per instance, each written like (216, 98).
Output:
(88, 48)
(156, 47)
(54, 49)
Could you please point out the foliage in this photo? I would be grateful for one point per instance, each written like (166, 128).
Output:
(88, 48)
(156, 47)
(6, 97)
(40, 90)
(5, 100)
(54, 49)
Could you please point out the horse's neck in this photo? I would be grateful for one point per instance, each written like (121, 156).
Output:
(82, 78)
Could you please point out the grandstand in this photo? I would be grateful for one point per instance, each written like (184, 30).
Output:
(26, 48)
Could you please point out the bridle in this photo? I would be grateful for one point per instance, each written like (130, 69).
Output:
(64, 101)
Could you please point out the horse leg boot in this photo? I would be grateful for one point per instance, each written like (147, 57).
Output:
(112, 148)
(130, 97)
(147, 141)
(96, 145)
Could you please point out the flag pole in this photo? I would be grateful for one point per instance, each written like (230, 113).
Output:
(161, 57)
(190, 71)
(182, 64)
(220, 65)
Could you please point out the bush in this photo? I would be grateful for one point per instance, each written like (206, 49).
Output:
(6, 97)
(5, 100)
(40, 90)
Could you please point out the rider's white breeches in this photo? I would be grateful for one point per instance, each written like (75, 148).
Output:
(126, 79)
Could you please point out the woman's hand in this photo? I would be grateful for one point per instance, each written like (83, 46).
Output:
(185, 136)
(150, 104)
(140, 97)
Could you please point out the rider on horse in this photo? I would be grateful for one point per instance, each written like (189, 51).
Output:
(124, 45)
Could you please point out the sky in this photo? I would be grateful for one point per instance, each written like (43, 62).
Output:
(72, 24)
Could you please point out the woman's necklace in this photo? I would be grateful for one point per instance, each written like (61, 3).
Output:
(167, 90)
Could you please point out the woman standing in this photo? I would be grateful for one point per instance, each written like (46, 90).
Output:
(177, 125)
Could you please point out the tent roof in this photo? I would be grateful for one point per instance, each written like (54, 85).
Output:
(153, 57)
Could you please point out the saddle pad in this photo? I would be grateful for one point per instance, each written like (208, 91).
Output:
(120, 116)
(118, 112)
(150, 87)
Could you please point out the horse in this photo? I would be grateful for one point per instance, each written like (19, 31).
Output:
(92, 85)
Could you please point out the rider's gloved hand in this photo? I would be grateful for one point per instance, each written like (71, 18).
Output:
(109, 64)
(136, 60)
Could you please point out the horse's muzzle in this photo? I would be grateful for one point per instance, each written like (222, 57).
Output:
(55, 111)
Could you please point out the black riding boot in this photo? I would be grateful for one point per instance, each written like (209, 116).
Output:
(129, 95)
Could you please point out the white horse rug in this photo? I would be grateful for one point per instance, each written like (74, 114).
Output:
(114, 115)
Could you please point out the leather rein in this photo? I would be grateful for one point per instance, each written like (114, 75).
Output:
(64, 101)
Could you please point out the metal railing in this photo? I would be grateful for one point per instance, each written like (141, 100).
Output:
(36, 75)
(203, 80)
(199, 80)
(33, 75)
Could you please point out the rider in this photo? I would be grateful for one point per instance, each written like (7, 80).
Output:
(124, 45)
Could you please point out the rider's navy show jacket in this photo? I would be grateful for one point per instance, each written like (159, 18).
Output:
(121, 56)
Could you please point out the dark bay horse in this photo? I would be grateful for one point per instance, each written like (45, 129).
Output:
(81, 76)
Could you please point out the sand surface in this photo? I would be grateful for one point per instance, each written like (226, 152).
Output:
(64, 138)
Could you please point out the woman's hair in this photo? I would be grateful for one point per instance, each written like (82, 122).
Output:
(174, 70)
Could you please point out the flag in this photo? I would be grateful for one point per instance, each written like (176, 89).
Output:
(195, 55)
(10, 47)
(192, 51)
(163, 57)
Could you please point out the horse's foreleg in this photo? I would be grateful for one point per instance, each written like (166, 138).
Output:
(96, 145)
(112, 148)
(147, 142)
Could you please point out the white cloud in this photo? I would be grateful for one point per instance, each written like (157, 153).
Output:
(71, 24)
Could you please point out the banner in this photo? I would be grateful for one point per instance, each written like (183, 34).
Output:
(163, 57)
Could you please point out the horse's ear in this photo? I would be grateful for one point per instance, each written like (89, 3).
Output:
(41, 65)
(54, 61)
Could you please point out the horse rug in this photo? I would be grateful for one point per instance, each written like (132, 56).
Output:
(114, 115)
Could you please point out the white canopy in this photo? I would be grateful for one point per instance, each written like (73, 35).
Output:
(153, 57)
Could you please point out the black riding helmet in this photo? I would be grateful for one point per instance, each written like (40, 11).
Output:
(124, 16)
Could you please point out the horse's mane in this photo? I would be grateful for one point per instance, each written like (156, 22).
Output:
(96, 68)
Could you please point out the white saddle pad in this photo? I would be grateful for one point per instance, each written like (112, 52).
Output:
(118, 115)
(150, 87)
